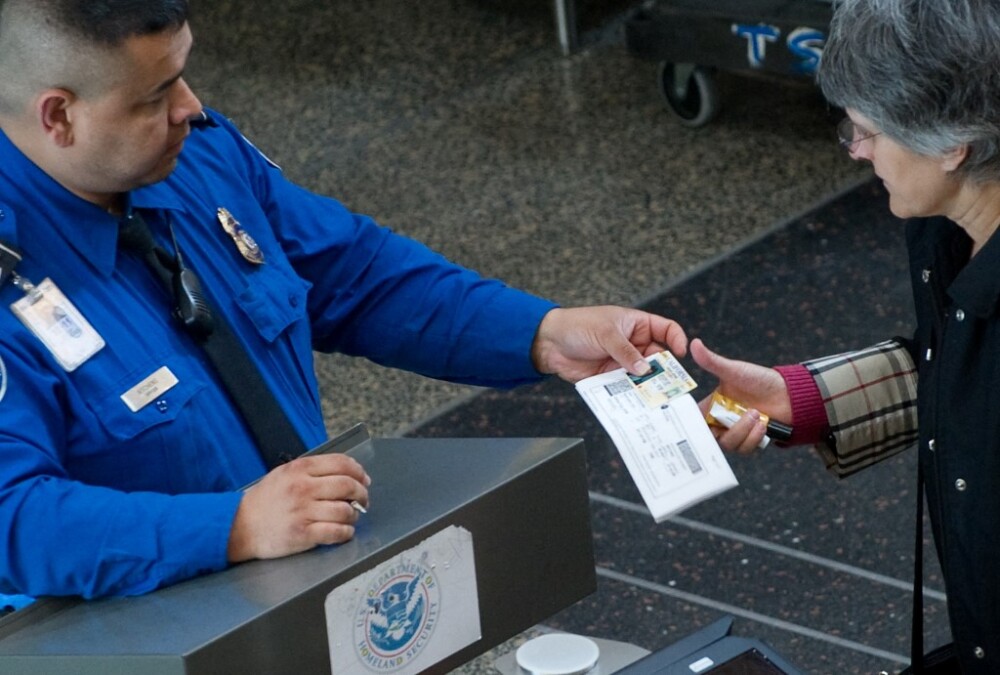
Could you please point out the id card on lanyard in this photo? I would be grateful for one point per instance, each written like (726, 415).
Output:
(56, 321)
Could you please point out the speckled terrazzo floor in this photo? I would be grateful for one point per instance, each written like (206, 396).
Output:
(459, 123)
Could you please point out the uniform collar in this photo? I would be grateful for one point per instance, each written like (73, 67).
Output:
(83, 226)
(157, 197)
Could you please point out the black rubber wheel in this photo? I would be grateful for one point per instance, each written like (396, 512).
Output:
(690, 93)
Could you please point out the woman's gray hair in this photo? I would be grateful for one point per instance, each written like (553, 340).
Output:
(925, 72)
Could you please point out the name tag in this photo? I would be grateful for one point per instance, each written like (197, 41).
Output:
(147, 391)
(55, 321)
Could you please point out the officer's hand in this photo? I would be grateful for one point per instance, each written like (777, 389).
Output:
(580, 342)
(298, 506)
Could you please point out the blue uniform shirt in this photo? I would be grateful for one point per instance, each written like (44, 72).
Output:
(98, 500)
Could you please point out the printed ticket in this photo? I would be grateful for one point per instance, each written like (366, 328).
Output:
(667, 448)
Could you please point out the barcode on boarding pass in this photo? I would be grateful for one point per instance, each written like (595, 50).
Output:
(688, 456)
(619, 387)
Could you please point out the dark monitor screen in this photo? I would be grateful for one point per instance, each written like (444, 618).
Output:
(750, 662)
(713, 651)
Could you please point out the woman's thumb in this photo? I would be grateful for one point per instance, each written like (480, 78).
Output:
(708, 360)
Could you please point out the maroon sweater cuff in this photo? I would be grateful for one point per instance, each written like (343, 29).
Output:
(809, 419)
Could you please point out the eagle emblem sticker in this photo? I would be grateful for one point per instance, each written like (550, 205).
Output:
(398, 617)
(409, 612)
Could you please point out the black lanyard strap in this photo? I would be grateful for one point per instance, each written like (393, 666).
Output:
(276, 438)
(10, 256)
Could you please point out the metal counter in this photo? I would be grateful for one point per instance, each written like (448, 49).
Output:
(523, 500)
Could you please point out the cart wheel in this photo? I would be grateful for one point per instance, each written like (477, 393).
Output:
(690, 93)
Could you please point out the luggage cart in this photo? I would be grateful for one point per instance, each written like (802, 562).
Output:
(692, 39)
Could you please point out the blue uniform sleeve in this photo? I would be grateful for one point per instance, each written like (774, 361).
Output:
(391, 299)
(64, 537)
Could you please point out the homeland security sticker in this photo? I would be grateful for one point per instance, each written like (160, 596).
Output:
(408, 613)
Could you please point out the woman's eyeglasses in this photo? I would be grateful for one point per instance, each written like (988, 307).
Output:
(850, 134)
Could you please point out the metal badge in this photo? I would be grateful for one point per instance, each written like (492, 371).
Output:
(244, 242)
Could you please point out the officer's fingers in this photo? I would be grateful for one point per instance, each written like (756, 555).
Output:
(337, 488)
(324, 533)
(669, 333)
(332, 464)
(335, 511)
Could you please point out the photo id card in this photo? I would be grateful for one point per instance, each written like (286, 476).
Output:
(59, 325)
(666, 380)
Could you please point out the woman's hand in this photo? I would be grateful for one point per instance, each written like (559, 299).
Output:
(757, 388)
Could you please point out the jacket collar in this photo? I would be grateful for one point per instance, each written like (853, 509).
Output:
(976, 288)
(973, 284)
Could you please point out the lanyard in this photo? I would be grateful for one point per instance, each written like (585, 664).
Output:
(10, 257)
(276, 438)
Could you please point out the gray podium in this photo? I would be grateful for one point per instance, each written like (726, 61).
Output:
(523, 500)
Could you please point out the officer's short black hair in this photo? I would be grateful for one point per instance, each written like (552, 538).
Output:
(68, 43)
(108, 22)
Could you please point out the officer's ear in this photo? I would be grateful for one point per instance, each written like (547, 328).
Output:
(54, 115)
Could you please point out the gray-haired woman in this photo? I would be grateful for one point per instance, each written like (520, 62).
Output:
(920, 82)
